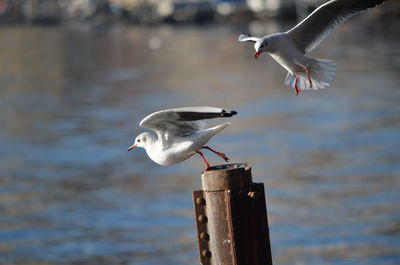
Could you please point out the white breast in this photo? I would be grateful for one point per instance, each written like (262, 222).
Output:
(291, 58)
(170, 155)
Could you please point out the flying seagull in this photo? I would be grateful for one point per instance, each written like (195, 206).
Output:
(290, 48)
(180, 134)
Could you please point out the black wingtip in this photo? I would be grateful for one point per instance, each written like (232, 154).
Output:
(228, 114)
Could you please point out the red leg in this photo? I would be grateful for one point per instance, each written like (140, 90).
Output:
(204, 159)
(308, 76)
(222, 155)
(296, 87)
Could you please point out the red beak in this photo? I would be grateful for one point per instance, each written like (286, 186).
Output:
(132, 147)
(257, 54)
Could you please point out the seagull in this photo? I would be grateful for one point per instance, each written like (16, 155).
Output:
(290, 48)
(180, 134)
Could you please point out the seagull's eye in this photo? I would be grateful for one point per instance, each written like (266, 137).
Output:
(138, 140)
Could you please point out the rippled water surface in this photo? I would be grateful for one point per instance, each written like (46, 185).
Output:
(71, 99)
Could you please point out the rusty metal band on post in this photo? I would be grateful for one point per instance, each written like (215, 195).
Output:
(231, 218)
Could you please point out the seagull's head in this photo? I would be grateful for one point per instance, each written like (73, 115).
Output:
(260, 46)
(140, 141)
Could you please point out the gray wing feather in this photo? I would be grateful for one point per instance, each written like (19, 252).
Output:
(313, 29)
(182, 121)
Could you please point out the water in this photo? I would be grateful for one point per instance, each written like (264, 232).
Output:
(71, 99)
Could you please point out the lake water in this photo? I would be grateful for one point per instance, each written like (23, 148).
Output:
(71, 99)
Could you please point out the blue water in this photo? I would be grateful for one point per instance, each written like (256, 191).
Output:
(71, 99)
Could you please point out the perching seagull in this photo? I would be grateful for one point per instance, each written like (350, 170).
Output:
(290, 48)
(180, 134)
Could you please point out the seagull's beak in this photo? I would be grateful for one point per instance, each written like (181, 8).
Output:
(132, 147)
(256, 55)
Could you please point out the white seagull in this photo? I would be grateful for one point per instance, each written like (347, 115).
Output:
(180, 134)
(290, 48)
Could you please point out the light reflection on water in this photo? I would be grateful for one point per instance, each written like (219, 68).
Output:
(71, 100)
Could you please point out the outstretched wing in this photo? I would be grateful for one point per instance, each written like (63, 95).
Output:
(247, 37)
(182, 121)
(313, 29)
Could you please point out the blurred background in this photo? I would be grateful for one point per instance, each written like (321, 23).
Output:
(76, 77)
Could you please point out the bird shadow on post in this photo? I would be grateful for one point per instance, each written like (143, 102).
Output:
(231, 217)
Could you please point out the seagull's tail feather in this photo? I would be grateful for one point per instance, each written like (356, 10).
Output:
(321, 73)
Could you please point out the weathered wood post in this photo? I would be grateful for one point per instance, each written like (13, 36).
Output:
(231, 218)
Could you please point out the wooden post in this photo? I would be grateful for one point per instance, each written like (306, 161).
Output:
(231, 218)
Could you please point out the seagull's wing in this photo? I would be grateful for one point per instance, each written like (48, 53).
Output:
(313, 29)
(247, 37)
(182, 121)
